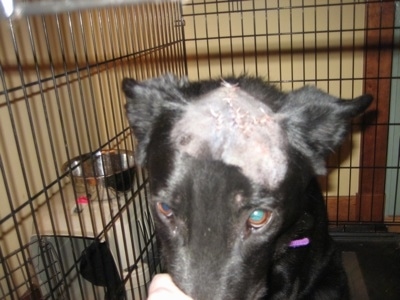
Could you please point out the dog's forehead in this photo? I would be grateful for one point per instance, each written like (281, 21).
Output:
(230, 125)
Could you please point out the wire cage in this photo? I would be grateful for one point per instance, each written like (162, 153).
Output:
(61, 65)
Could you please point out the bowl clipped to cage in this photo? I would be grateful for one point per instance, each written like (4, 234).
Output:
(102, 175)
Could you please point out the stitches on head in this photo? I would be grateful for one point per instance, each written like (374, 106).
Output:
(230, 125)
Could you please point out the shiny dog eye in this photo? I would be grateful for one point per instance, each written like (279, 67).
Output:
(165, 209)
(258, 218)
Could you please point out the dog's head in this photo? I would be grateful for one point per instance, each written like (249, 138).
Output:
(228, 163)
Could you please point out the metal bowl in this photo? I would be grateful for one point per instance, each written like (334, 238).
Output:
(92, 174)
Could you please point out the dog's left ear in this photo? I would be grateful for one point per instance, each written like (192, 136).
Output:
(147, 101)
(316, 122)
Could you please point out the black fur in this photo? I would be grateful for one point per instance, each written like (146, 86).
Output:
(219, 150)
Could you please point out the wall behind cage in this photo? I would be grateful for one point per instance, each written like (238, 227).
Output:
(60, 97)
(287, 42)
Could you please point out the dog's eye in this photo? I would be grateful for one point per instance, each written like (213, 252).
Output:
(165, 209)
(258, 218)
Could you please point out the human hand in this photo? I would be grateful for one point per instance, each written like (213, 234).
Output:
(163, 288)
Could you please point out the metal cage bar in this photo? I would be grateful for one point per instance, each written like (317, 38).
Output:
(60, 97)
(11, 8)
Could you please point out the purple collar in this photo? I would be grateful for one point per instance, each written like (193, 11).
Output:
(299, 243)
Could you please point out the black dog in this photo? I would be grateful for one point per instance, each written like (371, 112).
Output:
(232, 165)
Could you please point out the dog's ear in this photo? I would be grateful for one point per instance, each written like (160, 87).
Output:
(317, 122)
(146, 102)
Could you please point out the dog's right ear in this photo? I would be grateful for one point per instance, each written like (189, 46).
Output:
(146, 102)
(316, 122)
